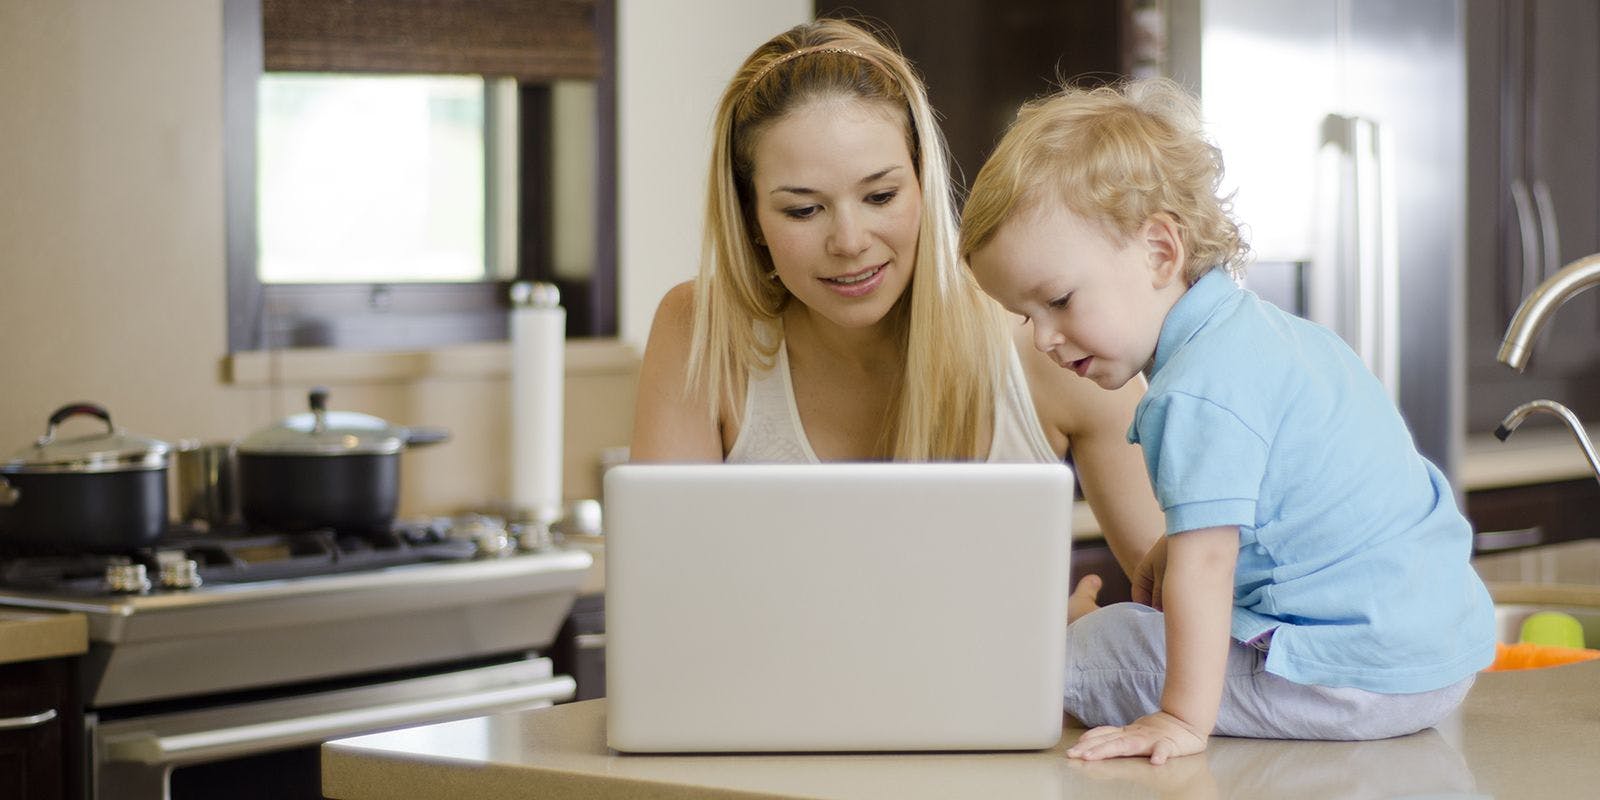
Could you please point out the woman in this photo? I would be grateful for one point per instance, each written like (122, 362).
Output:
(832, 320)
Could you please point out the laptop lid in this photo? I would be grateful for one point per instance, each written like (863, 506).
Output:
(836, 607)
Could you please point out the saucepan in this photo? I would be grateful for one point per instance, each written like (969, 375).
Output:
(103, 492)
(325, 469)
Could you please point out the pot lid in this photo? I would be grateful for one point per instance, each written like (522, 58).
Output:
(326, 433)
(114, 450)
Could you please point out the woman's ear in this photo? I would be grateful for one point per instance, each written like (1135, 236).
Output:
(1164, 243)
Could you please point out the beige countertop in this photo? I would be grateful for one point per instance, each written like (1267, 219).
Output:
(33, 635)
(1520, 734)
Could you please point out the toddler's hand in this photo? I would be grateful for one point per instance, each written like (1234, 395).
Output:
(1160, 736)
(1150, 574)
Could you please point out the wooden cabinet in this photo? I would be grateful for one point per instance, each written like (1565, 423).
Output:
(1560, 511)
(41, 731)
(981, 59)
(1533, 186)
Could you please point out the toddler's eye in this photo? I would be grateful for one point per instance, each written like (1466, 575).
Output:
(882, 198)
(1061, 302)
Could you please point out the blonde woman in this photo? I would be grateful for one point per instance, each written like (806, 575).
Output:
(832, 320)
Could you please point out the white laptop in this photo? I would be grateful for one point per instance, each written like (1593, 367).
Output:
(836, 607)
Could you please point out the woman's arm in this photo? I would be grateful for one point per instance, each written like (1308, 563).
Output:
(667, 424)
(1094, 422)
(1199, 605)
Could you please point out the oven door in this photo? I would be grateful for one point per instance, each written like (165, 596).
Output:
(137, 757)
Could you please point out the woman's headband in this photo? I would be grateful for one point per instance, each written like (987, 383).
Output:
(804, 51)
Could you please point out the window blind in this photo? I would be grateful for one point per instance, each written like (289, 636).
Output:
(534, 41)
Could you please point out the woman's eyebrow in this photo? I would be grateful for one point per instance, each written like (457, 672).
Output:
(876, 176)
(880, 174)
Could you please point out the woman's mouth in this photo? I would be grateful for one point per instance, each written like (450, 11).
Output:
(856, 284)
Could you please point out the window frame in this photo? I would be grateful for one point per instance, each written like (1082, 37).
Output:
(386, 316)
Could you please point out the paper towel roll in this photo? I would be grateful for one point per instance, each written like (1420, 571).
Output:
(538, 348)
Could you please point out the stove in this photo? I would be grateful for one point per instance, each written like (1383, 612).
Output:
(234, 644)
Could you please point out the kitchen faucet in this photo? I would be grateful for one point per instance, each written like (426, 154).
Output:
(1541, 305)
(1525, 410)
(1531, 318)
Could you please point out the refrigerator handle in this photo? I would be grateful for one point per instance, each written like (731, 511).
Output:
(1550, 235)
(1368, 260)
(1528, 228)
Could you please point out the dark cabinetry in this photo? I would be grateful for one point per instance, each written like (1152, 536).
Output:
(1543, 513)
(982, 59)
(1533, 183)
(41, 734)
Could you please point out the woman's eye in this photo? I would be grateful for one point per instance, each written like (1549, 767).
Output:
(803, 212)
(882, 198)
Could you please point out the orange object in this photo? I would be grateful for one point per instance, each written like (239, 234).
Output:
(1528, 655)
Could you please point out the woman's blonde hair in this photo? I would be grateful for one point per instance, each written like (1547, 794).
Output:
(1118, 155)
(949, 330)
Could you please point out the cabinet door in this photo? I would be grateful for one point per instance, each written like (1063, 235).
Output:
(33, 741)
(1533, 131)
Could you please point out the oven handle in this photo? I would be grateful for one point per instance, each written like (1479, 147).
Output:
(34, 720)
(220, 743)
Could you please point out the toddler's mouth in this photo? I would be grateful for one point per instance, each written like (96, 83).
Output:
(1081, 366)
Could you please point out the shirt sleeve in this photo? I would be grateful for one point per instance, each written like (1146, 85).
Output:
(1205, 464)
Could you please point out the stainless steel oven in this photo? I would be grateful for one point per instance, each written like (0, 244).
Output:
(220, 676)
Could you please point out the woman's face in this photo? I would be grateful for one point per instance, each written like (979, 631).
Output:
(839, 207)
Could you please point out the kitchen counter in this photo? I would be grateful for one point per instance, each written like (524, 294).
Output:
(1520, 734)
(34, 635)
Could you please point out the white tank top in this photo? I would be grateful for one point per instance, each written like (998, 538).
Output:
(772, 434)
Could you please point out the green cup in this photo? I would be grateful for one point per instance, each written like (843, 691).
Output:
(1552, 628)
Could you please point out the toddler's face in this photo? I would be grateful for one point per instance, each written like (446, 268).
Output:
(1096, 305)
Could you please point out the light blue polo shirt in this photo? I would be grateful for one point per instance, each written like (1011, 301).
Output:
(1351, 548)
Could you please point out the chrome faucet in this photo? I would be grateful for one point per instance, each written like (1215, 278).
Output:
(1531, 318)
(1541, 305)
(1523, 411)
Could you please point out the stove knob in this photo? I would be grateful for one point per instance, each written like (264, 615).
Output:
(127, 578)
(183, 574)
(534, 537)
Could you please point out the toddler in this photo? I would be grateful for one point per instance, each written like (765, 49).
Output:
(1314, 580)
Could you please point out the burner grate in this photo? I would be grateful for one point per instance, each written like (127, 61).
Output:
(244, 556)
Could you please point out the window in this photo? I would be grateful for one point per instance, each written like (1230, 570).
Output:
(371, 178)
(393, 166)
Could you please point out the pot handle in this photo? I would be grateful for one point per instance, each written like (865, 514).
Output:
(72, 410)
(418, 437)
(8, 494)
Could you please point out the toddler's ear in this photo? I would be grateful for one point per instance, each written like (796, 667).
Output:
(1164, 247)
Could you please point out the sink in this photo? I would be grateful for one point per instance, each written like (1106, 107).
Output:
(1561, 577)
(1508, 619)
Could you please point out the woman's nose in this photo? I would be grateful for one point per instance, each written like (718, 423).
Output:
(848, 236)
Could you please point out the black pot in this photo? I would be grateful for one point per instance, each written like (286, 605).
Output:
(325, 469)
(105, 493)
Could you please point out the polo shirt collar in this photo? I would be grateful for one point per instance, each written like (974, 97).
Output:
(1190, 313)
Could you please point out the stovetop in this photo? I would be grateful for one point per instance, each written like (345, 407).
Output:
(190, 559)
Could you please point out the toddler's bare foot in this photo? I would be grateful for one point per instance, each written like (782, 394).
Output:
(1083, 597)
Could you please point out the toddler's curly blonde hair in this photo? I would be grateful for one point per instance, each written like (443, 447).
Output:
(1117, 155)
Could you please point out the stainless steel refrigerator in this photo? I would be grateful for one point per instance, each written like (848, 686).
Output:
(1342, 125)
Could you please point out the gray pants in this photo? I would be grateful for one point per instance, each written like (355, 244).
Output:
(1116, 665)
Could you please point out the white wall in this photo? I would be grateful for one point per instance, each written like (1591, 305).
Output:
(673, 60)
